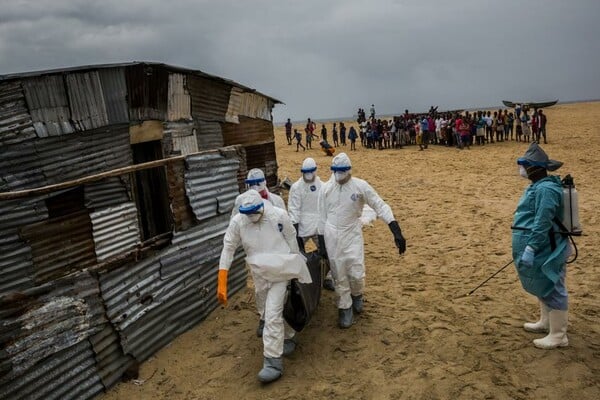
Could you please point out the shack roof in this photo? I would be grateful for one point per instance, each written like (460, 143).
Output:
(174, 68)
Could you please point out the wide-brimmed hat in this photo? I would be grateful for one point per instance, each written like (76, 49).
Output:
(535, 156)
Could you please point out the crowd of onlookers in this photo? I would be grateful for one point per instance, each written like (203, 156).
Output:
(454, 128)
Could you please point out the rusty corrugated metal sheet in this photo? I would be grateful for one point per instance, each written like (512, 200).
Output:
(107, 192)
(16, 266)
(179, 104)
(86, 99)
(48, 105)
(16, 263)
(243, 169)
(191, 305)
(15, 122)
(111, 360)
(58, 159)
(263, 156)
(45, 320)
(171, 68)
(116, 230)
(209, 135)
(210, 98)
(183, 216)
(114, 89)
(248, 131)
(153, 301)
(67, 374)
(182, 136)
(253, 105)
(235, 104)
(60, 245)
(211, 183)
(147, 90)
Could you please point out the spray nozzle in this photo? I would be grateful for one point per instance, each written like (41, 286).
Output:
(568, 181)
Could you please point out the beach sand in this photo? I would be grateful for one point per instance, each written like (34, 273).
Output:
(420, 336)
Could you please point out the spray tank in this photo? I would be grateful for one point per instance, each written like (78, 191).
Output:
(570, 196)
(569, 225)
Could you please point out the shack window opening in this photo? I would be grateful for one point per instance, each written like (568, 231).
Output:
(151, 191)
(66, 203)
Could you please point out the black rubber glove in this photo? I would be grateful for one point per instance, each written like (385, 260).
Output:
(398, 238)
(299, 240)
(322, 249)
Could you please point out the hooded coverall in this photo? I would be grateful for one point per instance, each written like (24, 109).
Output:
(340, 208)
(273, 256)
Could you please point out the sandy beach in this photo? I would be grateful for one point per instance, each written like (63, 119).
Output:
(420, 336)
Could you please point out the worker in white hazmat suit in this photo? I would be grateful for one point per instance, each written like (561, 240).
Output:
(341, 202)
(269, 241)
(255, 180)
(303, 208)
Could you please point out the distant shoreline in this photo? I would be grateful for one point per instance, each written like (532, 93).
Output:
(389, 116)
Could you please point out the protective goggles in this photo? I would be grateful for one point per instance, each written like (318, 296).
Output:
(340, 169)
(527, 163)
(250, 209)
(306, 170)
(252, 182)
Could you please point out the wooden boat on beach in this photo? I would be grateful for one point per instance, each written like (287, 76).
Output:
(511, 104)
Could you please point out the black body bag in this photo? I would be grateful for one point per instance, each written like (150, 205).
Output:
(303, 298)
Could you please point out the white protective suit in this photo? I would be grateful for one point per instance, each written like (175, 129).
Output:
(340, 209)
(255, 180)
(303, 202)
(273, 257)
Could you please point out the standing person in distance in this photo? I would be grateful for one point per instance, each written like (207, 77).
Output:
(341, 202)
(288, 131)
(298, 137)
(539, 251)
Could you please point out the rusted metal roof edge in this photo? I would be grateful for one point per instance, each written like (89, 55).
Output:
(82, 68)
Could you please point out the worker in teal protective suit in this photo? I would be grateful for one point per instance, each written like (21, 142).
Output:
(539, 250)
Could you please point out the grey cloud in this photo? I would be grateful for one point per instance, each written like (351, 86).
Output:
(325, 59)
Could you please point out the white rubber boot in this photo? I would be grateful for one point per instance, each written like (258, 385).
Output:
(558, 331)
(541, 325)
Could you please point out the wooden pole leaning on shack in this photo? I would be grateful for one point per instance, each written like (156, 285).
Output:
(90, 178)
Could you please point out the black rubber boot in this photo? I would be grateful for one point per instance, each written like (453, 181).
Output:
(346, 317)
(261, 327)
(328, 284)
(358, 303)
(289, 345)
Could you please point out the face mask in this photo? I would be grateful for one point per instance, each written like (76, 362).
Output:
(340, 176)
(523, 171)
(259, 187)
(309, 176)
(254, 217)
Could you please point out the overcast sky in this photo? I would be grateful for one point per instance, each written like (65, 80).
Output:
(325, 59)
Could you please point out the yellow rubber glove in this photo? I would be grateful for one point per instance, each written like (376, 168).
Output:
(222, 287)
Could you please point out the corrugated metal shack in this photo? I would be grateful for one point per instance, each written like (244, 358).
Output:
(116, 186)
